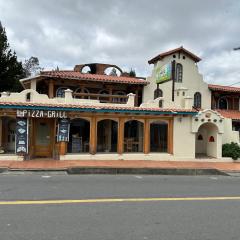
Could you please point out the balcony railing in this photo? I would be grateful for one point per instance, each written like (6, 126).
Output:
(105, 98)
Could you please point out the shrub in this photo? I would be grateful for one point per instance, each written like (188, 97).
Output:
(231, 150)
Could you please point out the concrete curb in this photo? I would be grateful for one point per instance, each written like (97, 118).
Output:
(144, 171)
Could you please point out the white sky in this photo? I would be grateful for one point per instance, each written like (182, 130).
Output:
(127, 33)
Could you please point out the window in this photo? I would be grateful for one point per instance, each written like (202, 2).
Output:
(222, 103)
(197, 100)
(179, 72)
(61, 92)
(158, 93)
(28, 97)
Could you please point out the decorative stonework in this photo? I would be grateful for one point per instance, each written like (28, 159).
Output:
(208, 116)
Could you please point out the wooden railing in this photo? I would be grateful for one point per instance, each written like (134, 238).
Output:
(111, 98)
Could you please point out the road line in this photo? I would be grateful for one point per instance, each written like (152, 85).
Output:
(115, 200)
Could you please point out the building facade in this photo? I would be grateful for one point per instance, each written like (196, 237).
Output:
(91, 113)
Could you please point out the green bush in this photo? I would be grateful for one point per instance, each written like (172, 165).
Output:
(231, 150)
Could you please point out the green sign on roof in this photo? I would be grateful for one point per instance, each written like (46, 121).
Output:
(164, 73)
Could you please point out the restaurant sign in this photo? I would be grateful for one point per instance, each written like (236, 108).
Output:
(63, 130)
(41, 114)
(22, 136)
(164, 73)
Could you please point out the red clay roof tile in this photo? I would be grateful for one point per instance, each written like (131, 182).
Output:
(233, 114)
(92, 77)
(223, 88)
(182, 49)
(72, 106)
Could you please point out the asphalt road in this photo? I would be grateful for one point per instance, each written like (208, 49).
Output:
(161, 219)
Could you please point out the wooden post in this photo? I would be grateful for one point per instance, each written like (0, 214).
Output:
(121, 136)
(93, 135)
(146, 136)
(170, 136)
(62, 148)
(51, 89)
(1, 132)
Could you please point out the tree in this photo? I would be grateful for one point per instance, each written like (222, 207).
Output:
(132, 73)
(11, 69)
(31, 67)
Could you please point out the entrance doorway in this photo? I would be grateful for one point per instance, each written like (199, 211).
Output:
(207, 141)
(43, 137)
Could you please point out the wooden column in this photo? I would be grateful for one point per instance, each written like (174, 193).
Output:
(170, 136)
(62, 148)
(146, 148)
(93, 135)
(120, 136)
(1, 132)
(51, 89)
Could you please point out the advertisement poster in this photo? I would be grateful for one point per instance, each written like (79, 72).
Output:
(21, 136)
(63, 130)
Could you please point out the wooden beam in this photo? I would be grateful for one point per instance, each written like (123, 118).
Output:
(146, 136)
(51, 89)
(170, 136)
(93, 135)
(120, 136)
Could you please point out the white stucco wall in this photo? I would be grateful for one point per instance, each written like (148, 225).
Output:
(184, 139)
(229, 135)
(192, 82)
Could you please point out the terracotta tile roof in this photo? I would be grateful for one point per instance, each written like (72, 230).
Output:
(223, 88)
(233, 114)
(92, 77)
(180, 49)
(71, 107)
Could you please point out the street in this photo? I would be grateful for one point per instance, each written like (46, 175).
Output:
(152, 207)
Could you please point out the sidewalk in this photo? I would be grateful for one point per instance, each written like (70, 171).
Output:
(63, 165)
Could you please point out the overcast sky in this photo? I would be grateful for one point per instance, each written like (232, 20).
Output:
(126, 32)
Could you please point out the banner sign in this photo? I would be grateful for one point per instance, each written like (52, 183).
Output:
(164, 73)
(63, 130)
(41, 114)
(21, 136)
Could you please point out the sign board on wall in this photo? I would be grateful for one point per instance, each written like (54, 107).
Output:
(164, 73)
(63, 130)
(21, 136)
(41, 114)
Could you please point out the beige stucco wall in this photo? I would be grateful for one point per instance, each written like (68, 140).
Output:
(192, 82)
(184, 139)
(229, 135)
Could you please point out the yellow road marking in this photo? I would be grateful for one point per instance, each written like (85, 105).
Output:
(113, 200)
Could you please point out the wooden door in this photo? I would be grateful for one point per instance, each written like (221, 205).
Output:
(43, 137)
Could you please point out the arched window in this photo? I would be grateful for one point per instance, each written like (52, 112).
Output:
(222, 103)
(102, 98)
(158, 93)
(197, 100)
(61, 92)
(82, 90)
(179, 72)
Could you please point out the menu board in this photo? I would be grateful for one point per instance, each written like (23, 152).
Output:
(63, 130)
(21, 136)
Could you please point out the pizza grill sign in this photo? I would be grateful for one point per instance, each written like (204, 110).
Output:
(41, 114)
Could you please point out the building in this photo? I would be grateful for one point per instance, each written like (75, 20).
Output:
(88, 113)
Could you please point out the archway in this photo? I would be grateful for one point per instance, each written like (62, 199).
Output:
(107, 136)
(133, 136)
(207, 141)
(79, 136)
(159, 136)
